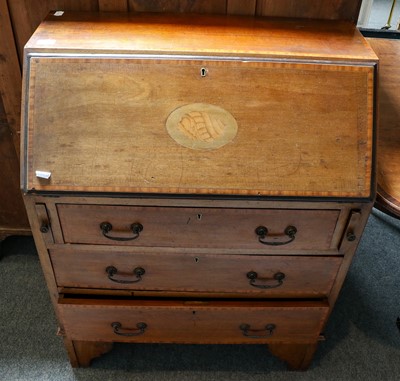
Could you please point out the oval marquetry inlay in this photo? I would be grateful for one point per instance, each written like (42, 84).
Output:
(201, 126)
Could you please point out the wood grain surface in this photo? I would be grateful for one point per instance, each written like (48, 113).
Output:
(199, 227)
(99, 94)
(193, 322)
(200, 34)
(100, 125)
(388, 173)
(13, 219)
(304, 277)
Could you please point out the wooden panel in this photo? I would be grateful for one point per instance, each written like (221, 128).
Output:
(10, 76)
(26, 15)
(185, 6)
(192, 322)
(303, 276)
(357, 219)
(119, 110)
(353, 230)
(3, 117)
(388, 172)
(198, 227)
(321, 9)
(201, 34)
(240, 7)
(13, 219)
(44, 223)
(78, 5)
(113, 5)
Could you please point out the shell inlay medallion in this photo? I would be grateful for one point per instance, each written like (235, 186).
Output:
(201, 126)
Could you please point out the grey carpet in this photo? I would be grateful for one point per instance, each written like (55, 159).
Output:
(363, 341)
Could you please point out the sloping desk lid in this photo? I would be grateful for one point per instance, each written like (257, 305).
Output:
(229, 114)
(388, 171)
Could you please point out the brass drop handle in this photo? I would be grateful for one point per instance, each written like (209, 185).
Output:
(257, 333)
(262, 232)
(138, 272)
(136, 228)
(278, 277)
(139, 330)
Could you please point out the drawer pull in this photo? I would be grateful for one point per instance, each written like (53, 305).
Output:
(279, 277)
(136, 228)
(262, 232)
(138, 272)
(44, 228)
(140, 329)
(351, 236)
(257, 333)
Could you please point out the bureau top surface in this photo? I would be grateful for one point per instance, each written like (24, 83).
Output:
(209, 35)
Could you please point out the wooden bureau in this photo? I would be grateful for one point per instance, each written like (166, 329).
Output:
(196, 179)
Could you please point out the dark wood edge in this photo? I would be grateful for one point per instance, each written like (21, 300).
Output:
(387, 204)
(384, 202)
(8, 232)
(380, 33)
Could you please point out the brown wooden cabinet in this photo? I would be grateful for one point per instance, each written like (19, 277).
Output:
(13, 219)
(388, 169)
(20, 18)
(210, 188)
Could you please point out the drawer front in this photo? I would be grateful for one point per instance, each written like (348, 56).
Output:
(191, 322)
(286, 276)
(198, 227)
(199, 126)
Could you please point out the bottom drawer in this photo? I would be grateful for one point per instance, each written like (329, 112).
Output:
(202, 322)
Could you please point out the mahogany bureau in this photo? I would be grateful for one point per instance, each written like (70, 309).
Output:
(196, 179)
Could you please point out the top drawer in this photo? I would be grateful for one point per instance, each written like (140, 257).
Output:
(187, 123)
(257, 230)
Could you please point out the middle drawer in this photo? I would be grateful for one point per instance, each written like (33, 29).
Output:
(272, 276)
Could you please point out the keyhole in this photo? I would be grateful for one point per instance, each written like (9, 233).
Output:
(199, 216)
(203, 72)
(196, 259)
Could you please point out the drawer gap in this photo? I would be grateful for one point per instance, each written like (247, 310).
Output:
(65, 298)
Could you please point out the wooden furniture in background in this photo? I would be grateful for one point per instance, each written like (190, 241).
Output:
(26, 15)
(13, 219)
(192, 189)
(388, 169)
